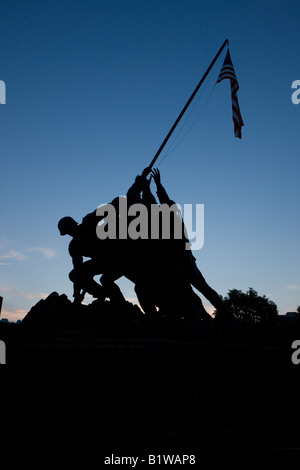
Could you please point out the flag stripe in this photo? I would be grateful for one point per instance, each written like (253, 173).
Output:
(227, 72)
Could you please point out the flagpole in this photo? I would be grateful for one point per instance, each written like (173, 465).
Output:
(187, 104)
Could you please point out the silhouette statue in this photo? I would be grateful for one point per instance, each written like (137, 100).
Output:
(162, 270)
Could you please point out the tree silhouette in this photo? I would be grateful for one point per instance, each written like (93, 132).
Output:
(251, 308)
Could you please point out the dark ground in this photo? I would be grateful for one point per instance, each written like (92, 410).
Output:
(118, 382)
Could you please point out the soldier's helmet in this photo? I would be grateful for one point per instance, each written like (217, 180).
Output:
(66, 224)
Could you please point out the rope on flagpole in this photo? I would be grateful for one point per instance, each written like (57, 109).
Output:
(172, 148)
(226, 42)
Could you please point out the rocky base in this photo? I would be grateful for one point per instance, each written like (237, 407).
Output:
(58, 312)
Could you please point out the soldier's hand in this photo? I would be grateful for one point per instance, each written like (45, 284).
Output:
(146, 172)
(156, 175)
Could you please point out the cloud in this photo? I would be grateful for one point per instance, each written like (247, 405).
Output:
(48, 253)
(10, 291)
(5, 290)
(14, 314)
(292, 287)
(43, 295)
(27, 295)
(12, 254)
(11, 309)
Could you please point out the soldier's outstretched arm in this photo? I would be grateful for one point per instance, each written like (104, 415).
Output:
(156, 176)
(161, 192)
(148, 197)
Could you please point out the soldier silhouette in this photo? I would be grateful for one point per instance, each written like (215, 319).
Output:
(180, 264)
(147, 260)
(134, 259)
(85, 243)
(111, 259)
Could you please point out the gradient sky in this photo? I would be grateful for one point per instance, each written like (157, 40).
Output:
(93, 87)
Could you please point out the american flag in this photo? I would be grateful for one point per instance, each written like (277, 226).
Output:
(227, 71)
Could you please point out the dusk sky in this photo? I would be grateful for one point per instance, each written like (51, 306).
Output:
(93, 87)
